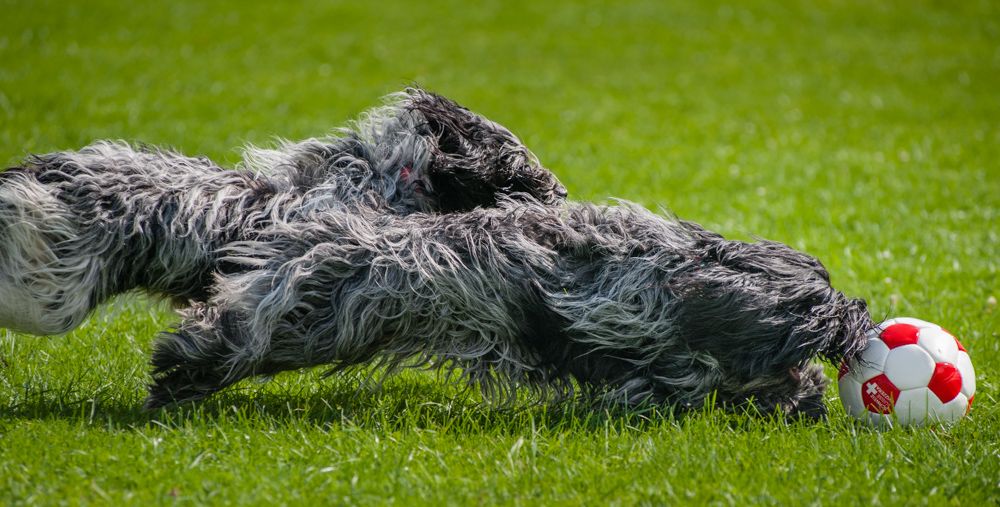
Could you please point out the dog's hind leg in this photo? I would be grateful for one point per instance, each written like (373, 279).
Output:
(197, 359)
(77, 228)
(44, 287)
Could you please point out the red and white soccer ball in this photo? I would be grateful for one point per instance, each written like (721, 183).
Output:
(912, 373)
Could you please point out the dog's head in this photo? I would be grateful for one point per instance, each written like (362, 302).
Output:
(765, 312)
(473, 160)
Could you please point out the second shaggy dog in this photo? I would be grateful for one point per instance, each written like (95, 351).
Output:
(79, 227)
(632, 306)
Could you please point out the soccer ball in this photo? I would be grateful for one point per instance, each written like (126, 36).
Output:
(912, 373)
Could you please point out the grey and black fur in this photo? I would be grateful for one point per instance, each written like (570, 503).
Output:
(423, 232)
(79, 227)
(632, 306)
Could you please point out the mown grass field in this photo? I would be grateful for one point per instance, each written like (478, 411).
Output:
(864, 133)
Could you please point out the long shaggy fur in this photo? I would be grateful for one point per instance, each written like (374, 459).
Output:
(423, 235)
(632, 306)
(77, 228)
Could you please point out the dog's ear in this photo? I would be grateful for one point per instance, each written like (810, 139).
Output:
(474, 159)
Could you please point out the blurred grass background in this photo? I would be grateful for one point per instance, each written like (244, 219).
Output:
(865, 133)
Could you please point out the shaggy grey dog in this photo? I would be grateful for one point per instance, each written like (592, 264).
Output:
(633, 306)
(77, 228)
(425, 235)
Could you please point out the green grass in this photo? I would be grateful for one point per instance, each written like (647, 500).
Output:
(865, 133)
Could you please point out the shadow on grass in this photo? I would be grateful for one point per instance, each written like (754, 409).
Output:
(401, 403)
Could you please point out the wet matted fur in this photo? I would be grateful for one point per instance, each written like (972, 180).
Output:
(633, 306)
(79, 227)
